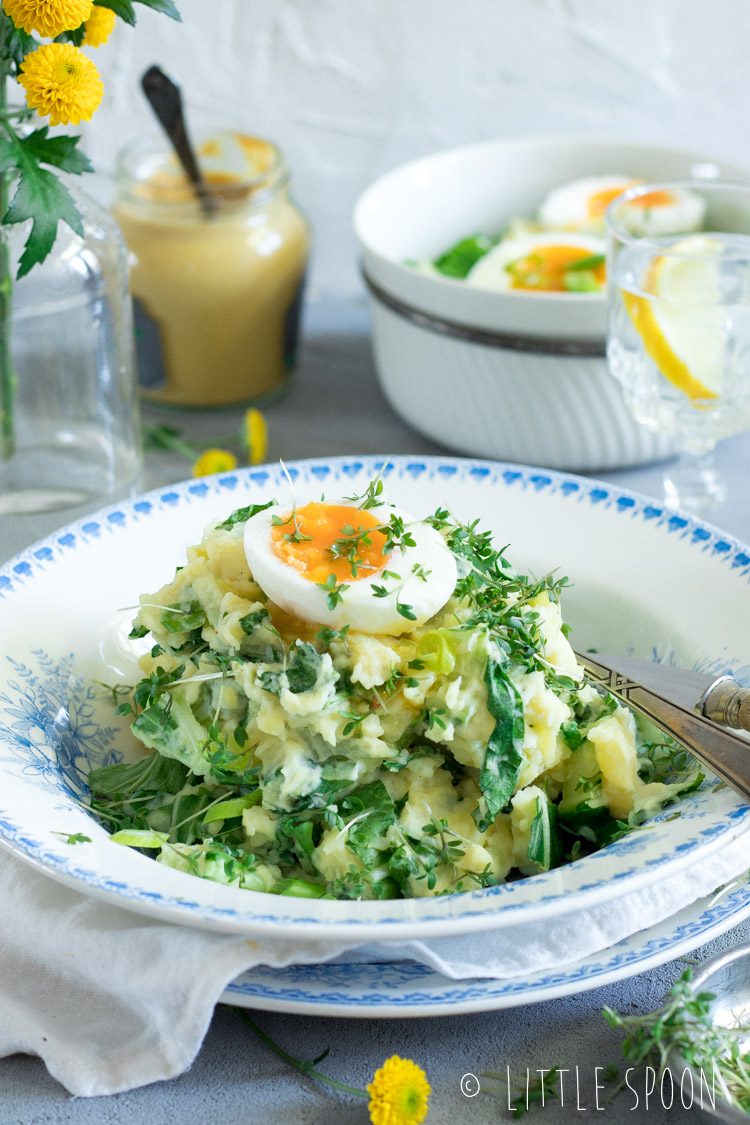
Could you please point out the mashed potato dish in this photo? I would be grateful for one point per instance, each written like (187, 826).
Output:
(562, 250)
(344, 701)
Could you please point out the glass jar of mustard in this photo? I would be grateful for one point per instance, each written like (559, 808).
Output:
(217, 288)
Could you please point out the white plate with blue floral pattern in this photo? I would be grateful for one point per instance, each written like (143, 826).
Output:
(636, 570)
(391, 989)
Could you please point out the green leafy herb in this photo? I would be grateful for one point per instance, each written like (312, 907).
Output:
(301, 673)
(73, 837)
(684, 1026)
(153, 774)
(545, 846)
(179, 620)
(298, 888)
(590, 262)
(502, 760)
(461, 258)
(242, 515)
(581, 281)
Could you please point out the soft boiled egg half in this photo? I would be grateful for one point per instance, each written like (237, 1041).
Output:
(377, 570)
(581, 204)
(550, 262)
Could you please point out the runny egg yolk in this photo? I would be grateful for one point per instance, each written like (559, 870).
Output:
(545, 268)
(322, 539)
(600, 201)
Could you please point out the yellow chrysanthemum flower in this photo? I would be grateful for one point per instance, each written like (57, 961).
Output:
(48, 17)
(61, 83)
(99, 27)
(214, 461)
(399, 1093)
(254, 436)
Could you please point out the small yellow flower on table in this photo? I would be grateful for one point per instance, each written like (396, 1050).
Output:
(399, 1093)
(254, 436)
(214, 461)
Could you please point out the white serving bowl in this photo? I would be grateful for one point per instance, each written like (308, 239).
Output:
(510, 375)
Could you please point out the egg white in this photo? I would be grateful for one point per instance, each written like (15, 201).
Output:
(684, 215)
(567, 208)
(359, 607)
(490, 271)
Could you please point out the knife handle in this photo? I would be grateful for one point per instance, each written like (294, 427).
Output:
(727, 754)
(728, 703)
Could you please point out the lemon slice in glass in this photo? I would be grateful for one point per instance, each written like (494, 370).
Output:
(683, 326)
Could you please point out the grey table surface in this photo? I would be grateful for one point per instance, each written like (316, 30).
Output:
(335, 407)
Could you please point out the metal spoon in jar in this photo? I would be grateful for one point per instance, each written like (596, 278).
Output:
(165, 98)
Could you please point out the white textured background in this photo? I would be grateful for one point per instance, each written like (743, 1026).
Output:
(351, 88)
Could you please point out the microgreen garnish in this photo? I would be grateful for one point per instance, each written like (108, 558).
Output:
(354, 725)
(586, 785)
(116, 691)
(434, 717)
(370, 497)
(405, 610)
(396, 535)
(350, 544)
(295, 536)
(334, 590)
(73, 837)
(325, 634)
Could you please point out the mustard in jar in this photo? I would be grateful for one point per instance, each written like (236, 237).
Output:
(216, 296)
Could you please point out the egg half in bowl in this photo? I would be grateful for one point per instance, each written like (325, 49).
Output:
(550, 262)
(582, 204)
(341, 566)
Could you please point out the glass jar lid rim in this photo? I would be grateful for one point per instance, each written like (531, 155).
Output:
(144, 158)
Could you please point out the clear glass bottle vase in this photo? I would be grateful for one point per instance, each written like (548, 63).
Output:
(69, 420)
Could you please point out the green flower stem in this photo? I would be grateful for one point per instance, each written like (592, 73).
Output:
(11, 114)
(162, 437)
(165, 437)
(304, 1067)
(7, 374)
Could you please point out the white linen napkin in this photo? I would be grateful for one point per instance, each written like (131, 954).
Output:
(112, 1000)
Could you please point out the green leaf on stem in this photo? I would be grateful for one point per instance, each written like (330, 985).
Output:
(74, 36)
(124, 8)
(42, 198)
(18, 44)
(167, 7)
(60, 152)
(121, 8)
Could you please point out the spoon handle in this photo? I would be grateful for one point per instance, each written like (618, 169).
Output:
(165, 99)
(727, 754)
